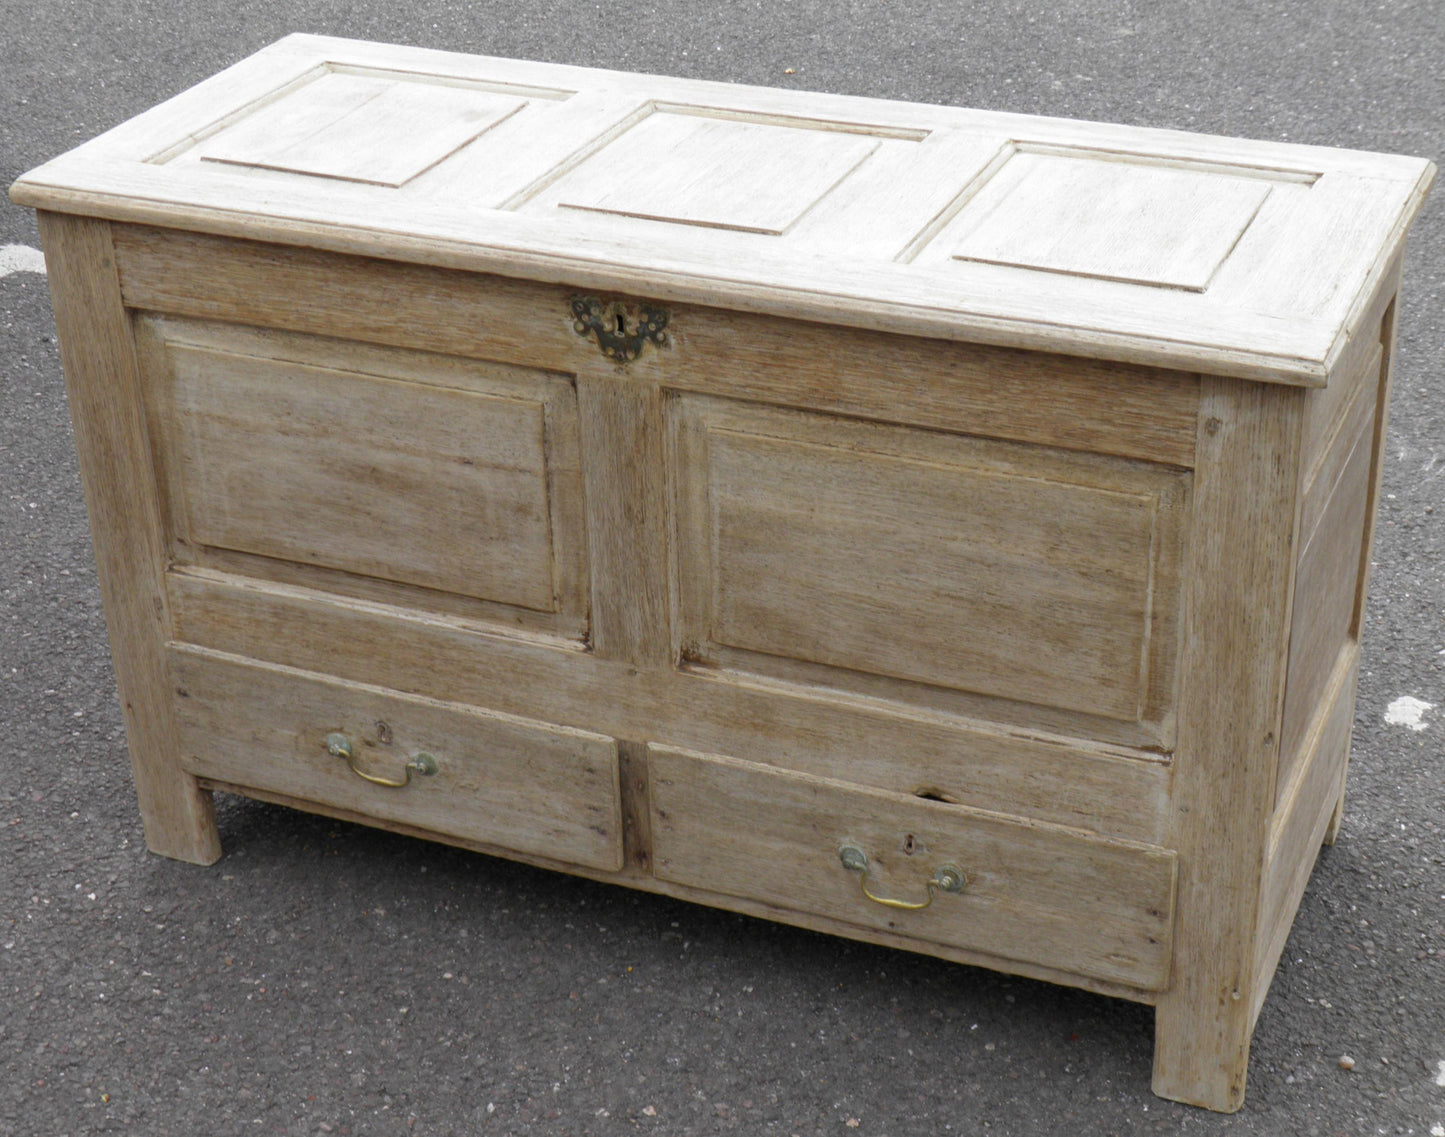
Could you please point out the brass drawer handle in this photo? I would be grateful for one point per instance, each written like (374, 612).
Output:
(339, 746)
(945, 878)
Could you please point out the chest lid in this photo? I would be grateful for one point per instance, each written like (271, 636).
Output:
(1237, 257)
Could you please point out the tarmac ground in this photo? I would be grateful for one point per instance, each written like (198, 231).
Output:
(328, 978)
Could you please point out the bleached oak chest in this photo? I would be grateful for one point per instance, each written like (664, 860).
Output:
(941, 528)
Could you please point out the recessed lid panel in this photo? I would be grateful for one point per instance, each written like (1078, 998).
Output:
(360, 128)
(700, 170)
(1114, 219)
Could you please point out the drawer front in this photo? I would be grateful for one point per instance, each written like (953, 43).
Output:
(840, 552)
(443, 474)
(1032, 893)
(500, 780)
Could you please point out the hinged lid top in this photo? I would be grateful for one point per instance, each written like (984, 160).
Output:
(1242, 258)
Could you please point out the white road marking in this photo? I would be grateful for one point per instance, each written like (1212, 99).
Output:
(1410, 712)
(21, 258)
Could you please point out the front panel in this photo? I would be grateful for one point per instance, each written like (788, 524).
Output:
(423, 479)
(864, 556)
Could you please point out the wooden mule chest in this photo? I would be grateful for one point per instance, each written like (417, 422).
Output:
(941, 528)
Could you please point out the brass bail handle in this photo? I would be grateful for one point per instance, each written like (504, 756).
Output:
(945, 878)
(339, 746)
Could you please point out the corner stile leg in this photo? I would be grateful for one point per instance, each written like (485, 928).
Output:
(1235, 638)
(121, 497)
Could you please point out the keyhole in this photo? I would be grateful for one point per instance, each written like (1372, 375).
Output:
(621, 325)
(909, 844)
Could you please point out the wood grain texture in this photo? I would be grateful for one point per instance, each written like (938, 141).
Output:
(1326, 585)
(356, 299)
(507, 781)
(361, 128)
(1074, 404)
(1267, 298)
(1368, 331)
(757, 909)
(452, 475)
(1109, 217)
(1245, 497)
(974, 508)
(125, 520)
(633, 777)
(1047, 312)
(286, 461)
(626, 518)
(1327, 409)
(1326, 461)
(891, 747)
(1389, 328)
(1078, 904)
(1108, 408)
(701, 170)
(1304, 813)
(1388, 337)
(568, 623)
(1002, 570)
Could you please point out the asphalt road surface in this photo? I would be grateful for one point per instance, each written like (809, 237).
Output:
(326, 978)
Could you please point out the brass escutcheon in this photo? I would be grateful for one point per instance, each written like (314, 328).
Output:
(608, 323)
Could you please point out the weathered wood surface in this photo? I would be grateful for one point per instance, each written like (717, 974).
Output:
(1075, 903)
(323, 454)
(633, 878)
(972, 509)
(125, 523)
(1007, 571)
(626, 518)
(1075, 404)
(1302, 818)
(508, 781)
(1069, 782)
(1243, 258)
(1326, 584)
(1234, 648)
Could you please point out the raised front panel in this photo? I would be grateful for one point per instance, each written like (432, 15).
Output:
(448, 475)
(498, 779)
(859, 550)
(1028, 892)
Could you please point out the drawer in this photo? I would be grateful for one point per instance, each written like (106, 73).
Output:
(987, 578)
(504, 781)
(1035, 893)
(361, 469)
